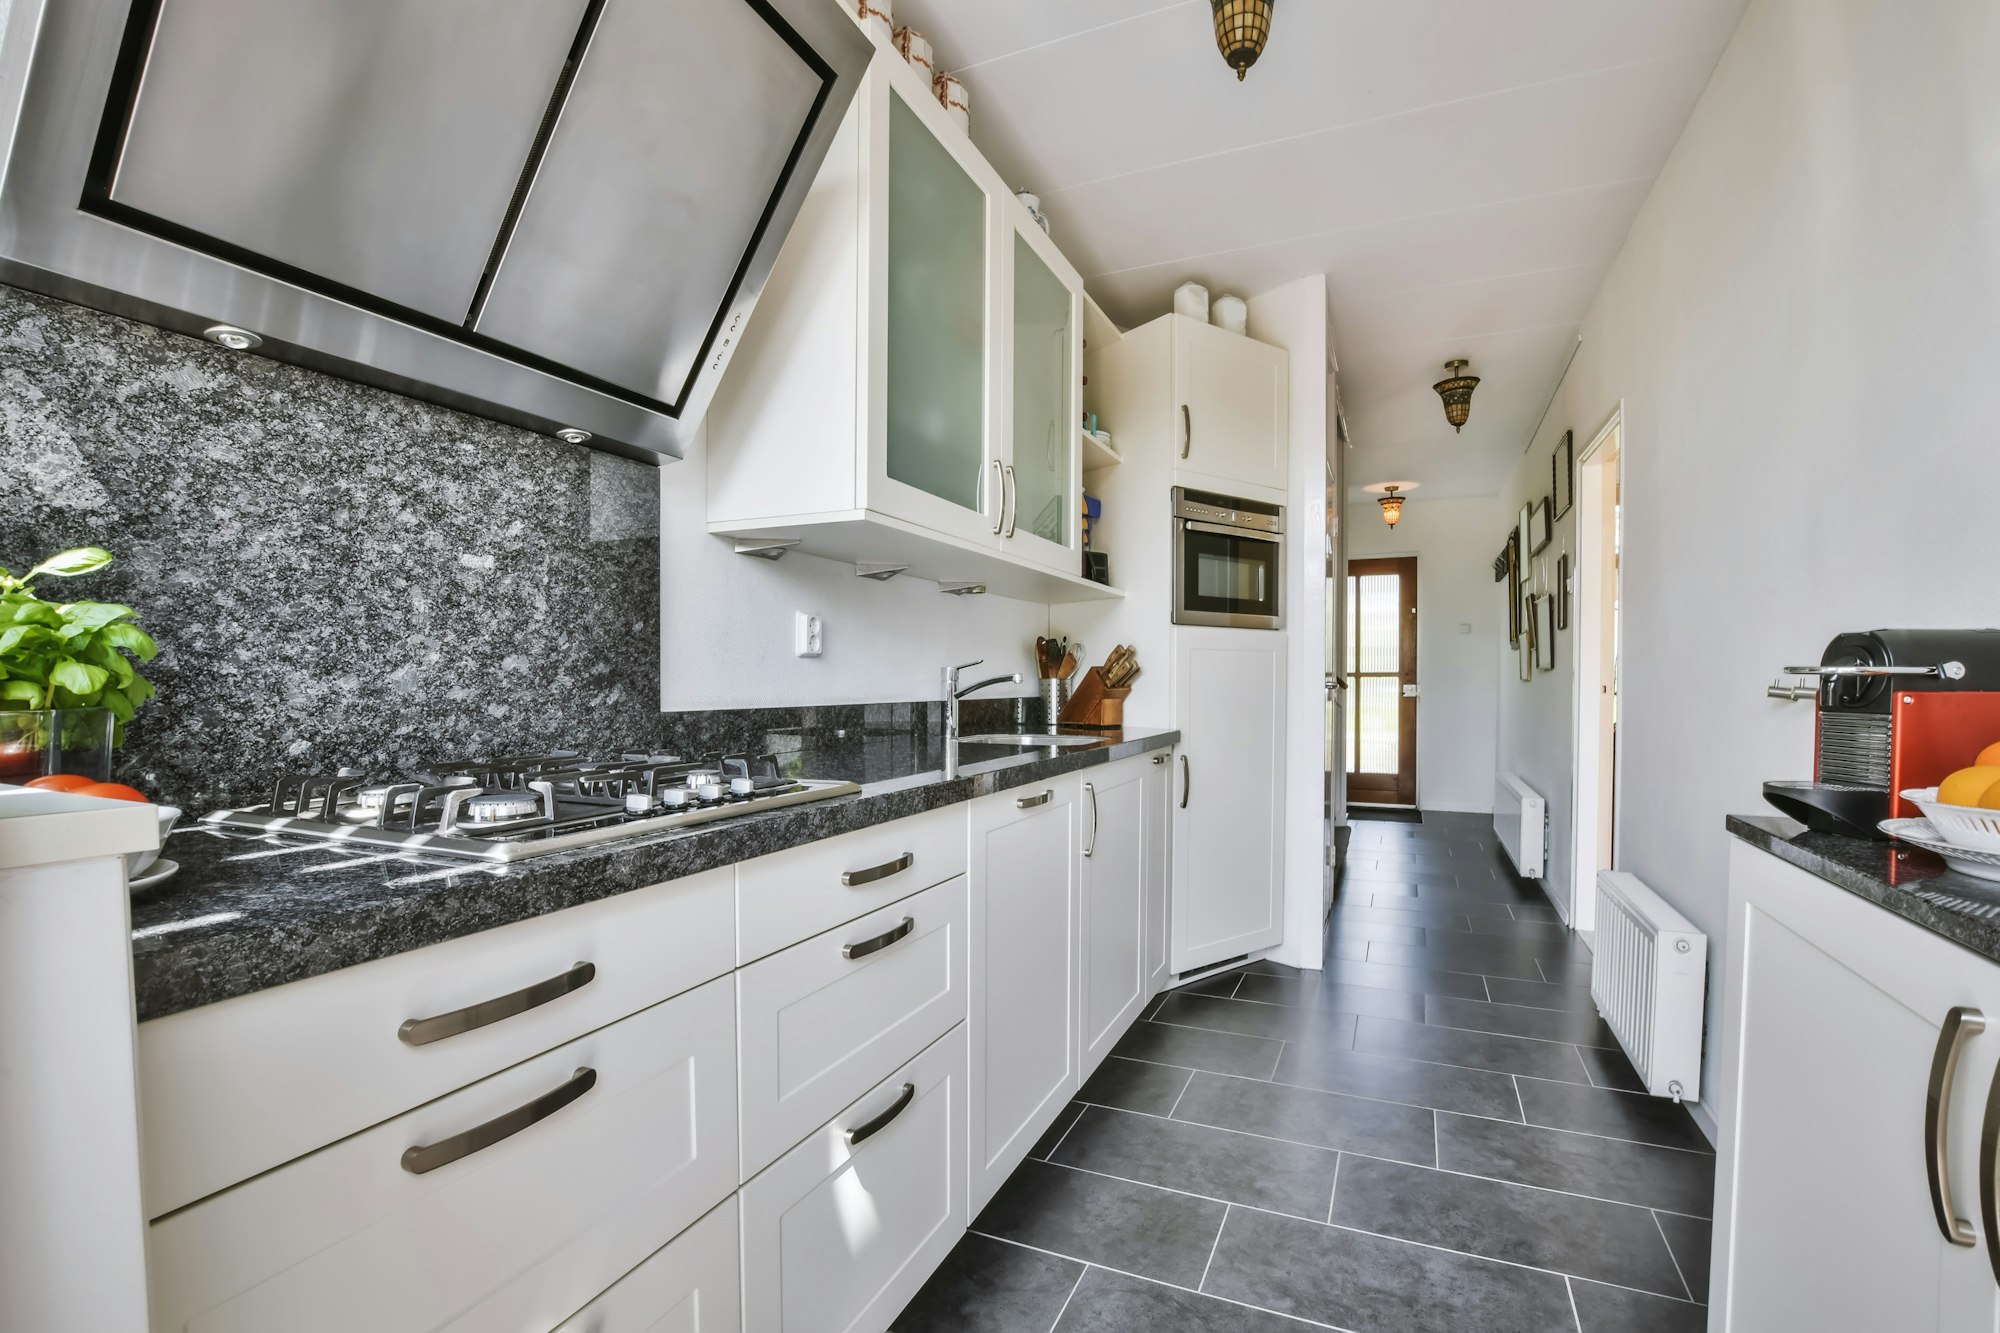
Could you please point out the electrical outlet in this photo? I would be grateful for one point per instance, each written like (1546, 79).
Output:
(808, 637)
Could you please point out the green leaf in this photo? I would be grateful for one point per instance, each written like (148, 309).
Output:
(79, 678)
(139, 690)
(26, 612)
(14, 636)
(121, 707)
(84, 617)
(22, 691)
(110, 659)
(68, 564)
(124, 634)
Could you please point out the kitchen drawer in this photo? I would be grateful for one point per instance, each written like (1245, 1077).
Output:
(819, 1028)
(236, 1088)
(690, 1286)
(787, 896)
(839, 1236)
(518, 1234)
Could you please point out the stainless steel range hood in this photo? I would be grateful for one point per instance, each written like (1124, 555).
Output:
(556, 213)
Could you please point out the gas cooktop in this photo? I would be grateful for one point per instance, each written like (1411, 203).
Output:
(518, 806)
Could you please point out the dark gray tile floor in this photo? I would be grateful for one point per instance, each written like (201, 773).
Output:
(1435, 1133)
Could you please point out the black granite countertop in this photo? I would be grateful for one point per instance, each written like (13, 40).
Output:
(248, 912)
(1912, 883)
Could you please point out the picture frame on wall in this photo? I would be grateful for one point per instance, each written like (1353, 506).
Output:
(1527, 646)
(1513, 558)
(1544, 632)
(1539, 528)
(1562, 474)
(1562, 591)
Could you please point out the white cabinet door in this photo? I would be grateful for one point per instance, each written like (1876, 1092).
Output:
(1158, 870)
(1824, 1213)
(1023, 974)
(840, 1232)
(1111, 900)
(1232, 405)
(1043, 472)
(690, 1286)
(1228, 858)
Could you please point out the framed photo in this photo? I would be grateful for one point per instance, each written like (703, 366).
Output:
(1562, 474)
(1538, 528)
(1527, 650)
(1543, 631)
(1513, 557)
(1562, 591)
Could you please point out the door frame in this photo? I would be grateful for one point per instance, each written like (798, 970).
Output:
(1593, 829)
(1404, 793)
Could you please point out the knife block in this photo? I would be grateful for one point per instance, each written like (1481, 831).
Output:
(1091, 704)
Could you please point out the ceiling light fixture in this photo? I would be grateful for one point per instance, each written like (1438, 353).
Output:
(1392, 506)
(1242, 27)
(1456, 390)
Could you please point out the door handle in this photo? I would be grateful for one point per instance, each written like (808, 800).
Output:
(854, 879)
(1959, 1025)
(431, 1156)
(868, 1129)
(1989, 1175)
(999, 499)
(1187, 430)
(1091, 791)
(424, 1031)
(1007, 475)
(862, 948)
(1030, 802)
(1187, 783)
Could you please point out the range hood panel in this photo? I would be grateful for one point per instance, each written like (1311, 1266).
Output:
(652, 190)
(372, 143)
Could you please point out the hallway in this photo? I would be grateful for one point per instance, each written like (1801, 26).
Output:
(1436, 1133)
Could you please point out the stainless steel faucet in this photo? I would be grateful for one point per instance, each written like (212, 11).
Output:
(953, 692)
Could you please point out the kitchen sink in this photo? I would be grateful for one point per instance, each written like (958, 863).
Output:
(1024, 740)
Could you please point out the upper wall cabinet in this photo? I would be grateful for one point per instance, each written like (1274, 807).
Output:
(1231, 399)
(909, 391)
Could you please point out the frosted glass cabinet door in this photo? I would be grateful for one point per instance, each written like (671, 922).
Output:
(937, 334)
(1045, 417)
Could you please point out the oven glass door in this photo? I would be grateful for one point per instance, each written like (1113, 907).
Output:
(1228, 577)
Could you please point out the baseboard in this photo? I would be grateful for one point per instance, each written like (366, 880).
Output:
(1486, 809)
(1705, 1121)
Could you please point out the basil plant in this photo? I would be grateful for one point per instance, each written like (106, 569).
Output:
(69, 654)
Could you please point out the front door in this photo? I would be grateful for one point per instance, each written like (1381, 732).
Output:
(1381, 717)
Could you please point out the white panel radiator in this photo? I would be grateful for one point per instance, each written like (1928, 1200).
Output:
(1521, 818)
(1649, 978)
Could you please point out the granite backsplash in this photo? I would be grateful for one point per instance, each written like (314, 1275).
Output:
(336, 575)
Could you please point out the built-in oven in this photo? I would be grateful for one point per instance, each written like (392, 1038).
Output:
(1229, 561)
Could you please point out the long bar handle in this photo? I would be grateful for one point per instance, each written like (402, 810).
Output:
(854, 879)
(999, 499)
(1007, 475)
(862, 948)
(1989, 1174)
(1959, 1025)
(1950, 670)
(431, 1156)
(868, 1129)
(1030, 802)
(1187, 784)
(1091, 791)
(424, 1031)
(1187, 430)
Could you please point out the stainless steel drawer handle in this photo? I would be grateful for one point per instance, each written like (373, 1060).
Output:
(431, 1156)
(1187, 784)
(424, 1031)
(862, 948)
(1960, 1024)
(868, 1129)
(1187, 430)
(854, 879)
(1030, 802)
(999, 498)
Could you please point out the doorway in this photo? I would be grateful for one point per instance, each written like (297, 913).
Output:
(1599, 600)
(1382, 681)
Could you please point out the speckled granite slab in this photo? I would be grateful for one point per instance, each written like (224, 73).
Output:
(336, 575)
(1911, 882)
(248, 913)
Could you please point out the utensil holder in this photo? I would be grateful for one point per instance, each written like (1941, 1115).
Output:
(1055, 697)
(1094, 705)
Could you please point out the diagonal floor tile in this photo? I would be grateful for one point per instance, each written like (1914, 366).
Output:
(1474, 1050)
(1612, 1242)
(1413, 1082)
(1107, 1302)
(1517, 1021)
(1541, 994)
(1355, 1281)
(1344, 914)
(1303, 1115)
(989, 1286)
(1134, 1085)
(1614, 1310)
(1136, 1228)
(1067, 1117)
(1537, 912)
(1349, 949)
(1402, 898)
(1314, 1025)
(1373, 1001)
(1610, 1069)
(1341, 929)
(1515, 928)
(1618, 1115)
(1416, 980)
(1197, 1048)
(1236, 1168)
(1689, 1238)
(1639, 1173)
(1363, 876)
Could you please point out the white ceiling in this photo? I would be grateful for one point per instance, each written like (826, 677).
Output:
(1462, 171)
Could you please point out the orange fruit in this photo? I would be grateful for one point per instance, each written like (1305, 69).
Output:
(1990, 799)
(60, 782)
(118, 791)
(1966, 786)
(1989, 757)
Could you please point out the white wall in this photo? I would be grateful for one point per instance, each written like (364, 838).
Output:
(726, 621)
(1804, 325)
(1454, 542)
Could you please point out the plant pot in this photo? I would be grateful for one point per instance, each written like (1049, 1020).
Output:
(36, 742)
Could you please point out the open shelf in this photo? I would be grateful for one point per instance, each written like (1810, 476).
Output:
(1097, 454)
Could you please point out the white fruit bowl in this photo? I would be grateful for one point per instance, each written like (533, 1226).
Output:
(1960, 825)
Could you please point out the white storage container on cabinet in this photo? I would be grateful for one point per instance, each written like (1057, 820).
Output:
(910, 389)
(840, 1232)
(505, 1205)
(691, 1286)
(1111, 905)
(1023, 1020)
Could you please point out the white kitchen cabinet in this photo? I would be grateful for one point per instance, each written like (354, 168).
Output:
(1111, 903)
(509, 1204)
(1228, 852)
(1023, 1023)
(692, 1285)
(1824, 1210)
(840, 1232)
(909, 389)
(1232, 394)
(1158, 852)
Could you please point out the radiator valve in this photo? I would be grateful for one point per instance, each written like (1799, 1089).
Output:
(1674, 1091)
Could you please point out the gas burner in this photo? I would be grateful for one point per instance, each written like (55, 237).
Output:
(497, 807)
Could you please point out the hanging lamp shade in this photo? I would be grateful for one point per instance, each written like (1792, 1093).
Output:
(1456, 390)
(1392, 506)
(1242, 27)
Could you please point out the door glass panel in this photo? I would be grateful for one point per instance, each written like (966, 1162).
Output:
(1379, 597)
(1044, 426)
(937, 316)
(1380, 729)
